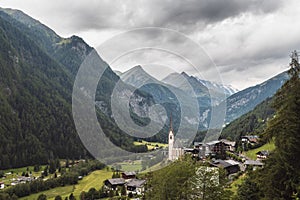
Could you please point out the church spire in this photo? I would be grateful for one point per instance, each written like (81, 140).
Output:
(171, 126)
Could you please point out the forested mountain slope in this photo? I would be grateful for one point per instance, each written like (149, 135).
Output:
(253, 122)
(37, 71)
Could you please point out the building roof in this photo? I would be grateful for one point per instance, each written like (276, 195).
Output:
(221, 163)
(264, 153)
(213, 142)
(191, 150)
(136, 183)
(232, 162)
(253, 162)
(116, 181)
(251, 138)
(228, 142)
(129, 173)
(198, 143)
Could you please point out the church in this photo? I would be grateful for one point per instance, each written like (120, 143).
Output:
(175, 151)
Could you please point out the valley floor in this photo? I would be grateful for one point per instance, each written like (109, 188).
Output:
(93, 180)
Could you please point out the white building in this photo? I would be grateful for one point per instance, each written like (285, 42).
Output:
(174, 150)
(2, 185)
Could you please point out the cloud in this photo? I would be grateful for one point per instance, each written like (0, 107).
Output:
(249, 44)
(249, 40)
(124, 14)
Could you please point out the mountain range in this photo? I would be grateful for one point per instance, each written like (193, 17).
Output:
(37, 72)
(237, 102)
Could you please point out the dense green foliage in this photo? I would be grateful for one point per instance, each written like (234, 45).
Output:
(37, 70)
(280, 178)
(187, 179)
(35, 111)
(252, 123)
(248, 190)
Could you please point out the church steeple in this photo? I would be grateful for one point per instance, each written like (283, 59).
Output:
(171, 140)
(171, 126)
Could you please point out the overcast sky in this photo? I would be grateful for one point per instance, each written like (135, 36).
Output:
(248, 41)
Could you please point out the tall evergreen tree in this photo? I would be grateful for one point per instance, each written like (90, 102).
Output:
(280, 177)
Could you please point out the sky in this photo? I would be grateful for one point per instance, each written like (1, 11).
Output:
(241, 43)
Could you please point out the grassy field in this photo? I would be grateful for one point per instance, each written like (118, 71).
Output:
(51, 194)
(14, 173)
(131, 166)
(153, 168)
(151, 145)
(252, 153)
(93, 180)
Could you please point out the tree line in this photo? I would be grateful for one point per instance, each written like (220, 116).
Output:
(280, 177)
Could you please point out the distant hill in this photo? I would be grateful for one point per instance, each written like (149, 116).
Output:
(253, 122)
(246, 100)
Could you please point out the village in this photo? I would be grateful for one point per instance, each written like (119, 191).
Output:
(133, 184)
(219, 154)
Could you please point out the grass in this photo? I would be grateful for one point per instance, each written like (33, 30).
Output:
(130, 166)
(153, 168)
(151, 145)
(18, 172)
(93, 180)
(234, 185)
(51, 194)
(267, 147)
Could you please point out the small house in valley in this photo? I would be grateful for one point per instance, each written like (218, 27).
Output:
(136, 186)
(262, 154)
(229, 145)
(230, 166)
(250, 139)
(114, 183)
(133, 186)
(128, 175)
(253, 163)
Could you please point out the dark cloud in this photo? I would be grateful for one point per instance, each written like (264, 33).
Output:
(210, 11)
(176, 14)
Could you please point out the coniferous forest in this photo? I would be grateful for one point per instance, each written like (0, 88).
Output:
(280, 178)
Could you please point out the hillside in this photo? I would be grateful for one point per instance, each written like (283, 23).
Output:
(279, 178)
(35, 111)
(253, 122)
(37, 74)
(246, 100)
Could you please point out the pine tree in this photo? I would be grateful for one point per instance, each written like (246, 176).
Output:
(280, 177)
(248, 190)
